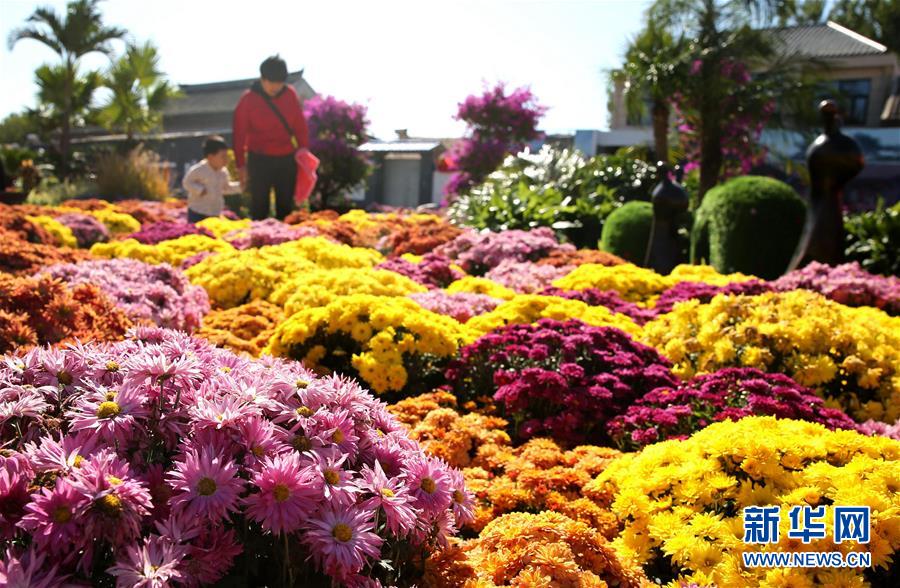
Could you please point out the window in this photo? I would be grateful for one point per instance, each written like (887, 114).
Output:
(853, 96)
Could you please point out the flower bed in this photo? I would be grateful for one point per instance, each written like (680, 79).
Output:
(173, 461)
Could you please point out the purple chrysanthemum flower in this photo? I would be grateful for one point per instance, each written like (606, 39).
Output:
(392, 496)
(341, 540)
(151, 564)
(205, 485)
(429, 484)
(54, 518)
(286, 494)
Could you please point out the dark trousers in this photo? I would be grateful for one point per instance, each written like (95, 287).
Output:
(269, 172)
(195, 217)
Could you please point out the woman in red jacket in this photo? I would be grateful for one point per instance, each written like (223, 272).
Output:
(269, 127)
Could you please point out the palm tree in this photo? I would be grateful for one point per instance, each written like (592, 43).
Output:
(60, 98)
(73, 35)
(722, 32)
(139, 91)
(655, 64)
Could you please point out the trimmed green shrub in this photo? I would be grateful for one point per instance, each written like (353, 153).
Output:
(627, 230)
(750, 224)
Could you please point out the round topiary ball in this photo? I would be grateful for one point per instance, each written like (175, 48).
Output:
(750, 224)
(627, 230)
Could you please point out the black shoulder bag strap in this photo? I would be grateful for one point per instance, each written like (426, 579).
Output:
(280, 116)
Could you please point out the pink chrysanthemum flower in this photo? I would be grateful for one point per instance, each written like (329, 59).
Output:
(28, 571)
(334, 429)
(286, 494)
(261, 439)
(53, 518)
(21, 402)
(118, 501)
(63, 455)
(463, 502)
(218, 413)
(114, 415)
(341, 540)
(210, 556)
(156, 369)
(205, 485)
(59, 369)
(152, 564)
(429, 484)
(332, 482)
(391, 496)
(15, 475)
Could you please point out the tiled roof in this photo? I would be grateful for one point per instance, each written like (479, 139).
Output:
(826, 40)
(222, 96)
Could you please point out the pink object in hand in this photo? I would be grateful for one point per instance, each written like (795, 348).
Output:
(307, 163)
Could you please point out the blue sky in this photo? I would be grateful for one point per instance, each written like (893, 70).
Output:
(409, 62)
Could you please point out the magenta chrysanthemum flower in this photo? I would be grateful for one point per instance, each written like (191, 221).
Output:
(28, 571)
(341, 540)
(391, 496)
(429, 484)
(334, 429)
(62, 455)
(210, 556)
(259, 439)
(117, 500)
(219, 413)
(20, 402)
(59, 369)
(463, 502)
(54, 517)
(112, 414)
(205, 485)
(286, 494)
(15, 475)
(152, 564)
(331, 480)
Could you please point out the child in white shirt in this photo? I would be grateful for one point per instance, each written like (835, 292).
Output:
(207, 182)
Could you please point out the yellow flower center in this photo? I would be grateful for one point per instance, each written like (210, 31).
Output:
(332, 477)
(301, 384)
(337, 436)
(225, 369)
(64, 378)
(342, 532)
(459, 497)
(110, 505)
(113, 481)
(112, 366)
(428, 485)
(302, 443)
(62, 514)
(387, 492)
(206, 486)
(110, 396)
(77, 461)
(281, 492)
(257, 450)
(108, 410)
(304, 411)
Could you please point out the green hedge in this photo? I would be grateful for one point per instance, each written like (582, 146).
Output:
(627, 230)
(750, 224)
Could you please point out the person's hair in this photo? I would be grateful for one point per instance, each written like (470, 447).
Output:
(274, 69)
(214, 144)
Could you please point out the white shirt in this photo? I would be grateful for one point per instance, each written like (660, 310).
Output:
(206, 188)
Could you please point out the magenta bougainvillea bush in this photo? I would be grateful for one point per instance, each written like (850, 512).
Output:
(731, 393)
(158, 294)
(478, 253)
(848, 284)
(433, 271)
(161, 460)
(560, 379)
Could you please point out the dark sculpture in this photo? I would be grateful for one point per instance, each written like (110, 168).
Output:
(670, 201)
(833, 159)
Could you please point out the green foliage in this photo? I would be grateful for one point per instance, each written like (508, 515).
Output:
(52, 191)
(877, 19)
(17, 126)
(627, 231)
(555, 188)
(139, 91)
(14, 156)
(750, 224)
(873, 239)
(61, 98)
(136, 174)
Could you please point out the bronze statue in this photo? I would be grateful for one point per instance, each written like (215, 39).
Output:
(833, 159)
(670, 200)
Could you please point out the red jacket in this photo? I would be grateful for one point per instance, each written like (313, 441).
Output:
(257, 129)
